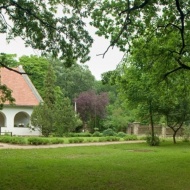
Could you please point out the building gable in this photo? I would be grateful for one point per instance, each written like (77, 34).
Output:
(23, 91)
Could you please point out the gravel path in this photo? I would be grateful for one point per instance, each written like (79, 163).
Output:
(10, 146)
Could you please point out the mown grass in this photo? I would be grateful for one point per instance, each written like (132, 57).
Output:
(110, 167)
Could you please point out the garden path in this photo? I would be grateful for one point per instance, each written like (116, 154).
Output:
(11, 146)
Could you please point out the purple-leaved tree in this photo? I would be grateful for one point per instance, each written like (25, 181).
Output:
(92, 108)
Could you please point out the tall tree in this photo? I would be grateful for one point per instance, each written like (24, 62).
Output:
(122, 22)
(55, 114)
(73, 80)
(92, 108)
(66, 120)
(43, 115)
(142, 84)
(174, 102)
(49, 85)
(36, 67)
(52, 26)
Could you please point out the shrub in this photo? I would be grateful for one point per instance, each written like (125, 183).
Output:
(87, 134)
(142, 137)
(71, 140)
(153, 142)
(112, 138)
(78, 134)
(89, 140)
(121, 134)
(109, 132)
(57, 141)
(69, 134)
(38, 141)
(97, 134)
(102, 139)
(5, 139)
(186, 134)
(18, 140)
(108, 138)
(130, 137)
(76, 140)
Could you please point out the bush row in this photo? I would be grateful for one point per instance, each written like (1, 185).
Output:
(44, 141)
(31, 140)
(13, 140)
(102, 139)
(105, 133)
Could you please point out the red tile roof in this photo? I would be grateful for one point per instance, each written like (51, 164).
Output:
(22, 88)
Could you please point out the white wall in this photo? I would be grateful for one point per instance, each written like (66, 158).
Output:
(9, 112)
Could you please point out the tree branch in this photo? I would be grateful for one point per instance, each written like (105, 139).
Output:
(31, 13)
(126, 22)
(182, 29)
(3, 65)
(135, 7)
(174, 70)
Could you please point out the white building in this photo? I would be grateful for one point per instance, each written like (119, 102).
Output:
(16, 118)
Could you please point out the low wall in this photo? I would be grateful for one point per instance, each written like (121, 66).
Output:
(138, 129)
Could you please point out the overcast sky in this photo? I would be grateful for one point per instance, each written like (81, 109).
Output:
(97, 64)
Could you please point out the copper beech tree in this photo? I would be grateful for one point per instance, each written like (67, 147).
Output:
(92, 108)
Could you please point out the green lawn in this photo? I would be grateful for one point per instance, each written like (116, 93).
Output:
(110, 167)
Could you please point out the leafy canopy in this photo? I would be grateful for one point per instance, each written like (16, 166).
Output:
(125, 21)
(52, 26)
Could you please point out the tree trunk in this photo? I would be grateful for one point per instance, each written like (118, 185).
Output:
(174, 135)
(152, 124)
(175, 132)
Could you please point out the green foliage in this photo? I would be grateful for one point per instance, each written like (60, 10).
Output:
(5, 139)
(73, 80)
(8, 60)
(13, 140)
(76, 140)
(39, 24)
(153, 79)
(42, 119)
(109, 138)
(124, 23)
(65, 118)
(112, 138)
(78, 134)
(130, 137)
(56, 113)
(18, 140)
(153, 141)
(57, 141)
(38, 141)
(186, 133)
(109, 132)
(118, 117)
(36, 68)
(97, 134)
(49, 87)
(121, 134)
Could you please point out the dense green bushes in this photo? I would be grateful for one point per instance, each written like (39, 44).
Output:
(109, 132)
(87, 134)
(13, 140)
(44, 141)
(30, 140)
(130, 137)
(76, 140)
(153, 141)
(106, 136)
